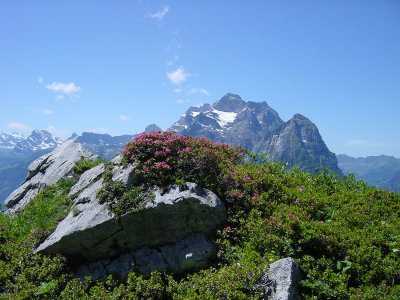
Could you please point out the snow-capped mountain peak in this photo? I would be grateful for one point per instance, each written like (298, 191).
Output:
(258, 128)
(9, 140)
(38, 140)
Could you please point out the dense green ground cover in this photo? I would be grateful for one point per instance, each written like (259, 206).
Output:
(344, 234)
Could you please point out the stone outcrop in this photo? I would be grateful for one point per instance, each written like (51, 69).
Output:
(46, 171)
(172, 230)
(281, 281)
(191, 253)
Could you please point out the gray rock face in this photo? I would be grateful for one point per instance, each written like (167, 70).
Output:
(124, 174)
(191, 253)
(281, 281)
(46, 171)
(87, 178)
(170, 231)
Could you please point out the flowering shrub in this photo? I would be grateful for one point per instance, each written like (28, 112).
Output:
(165, 157)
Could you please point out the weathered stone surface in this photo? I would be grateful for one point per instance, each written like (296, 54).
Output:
(90, 233)
(117, 160)
(124, 174)
(88, 224)
(147, 260)
(120, 266)
(281, 281)
(193, 252)
(190, 253)
(46, 171)
(87, 178)
(96, 270)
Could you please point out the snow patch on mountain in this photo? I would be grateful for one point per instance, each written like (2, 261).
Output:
(194, 113)
(224, 118)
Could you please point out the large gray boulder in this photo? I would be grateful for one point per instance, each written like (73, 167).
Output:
(281, 281)
(191, 253)
(46, 171)
(171, 230)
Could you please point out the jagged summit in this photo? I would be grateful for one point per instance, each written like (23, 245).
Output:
(300, 117)
(74, 135)
(38, 140)
(229, 103)
(258, 128)
(152, 127)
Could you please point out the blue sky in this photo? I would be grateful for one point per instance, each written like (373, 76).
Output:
(117, 66)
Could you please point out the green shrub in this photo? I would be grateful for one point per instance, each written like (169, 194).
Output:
(22, 274)
(121, 199)
(83, 165)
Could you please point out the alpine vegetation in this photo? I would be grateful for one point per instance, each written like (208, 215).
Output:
(180, 217)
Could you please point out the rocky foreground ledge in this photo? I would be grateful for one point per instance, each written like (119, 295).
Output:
(46, 171)
(173, 230)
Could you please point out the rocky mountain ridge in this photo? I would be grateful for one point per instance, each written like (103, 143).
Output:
(10, 140)
(38, 140)
(258, 128)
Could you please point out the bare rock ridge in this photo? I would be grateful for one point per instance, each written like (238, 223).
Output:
(46, 171)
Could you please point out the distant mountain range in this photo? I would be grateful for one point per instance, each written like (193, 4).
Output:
(258, 128)
(253, 125)
(37, 141)
(105, 145)
(17, 152)
(381, 171)
(10, 140)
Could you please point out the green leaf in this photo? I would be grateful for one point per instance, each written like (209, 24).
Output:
(343, 265)
(45, 287)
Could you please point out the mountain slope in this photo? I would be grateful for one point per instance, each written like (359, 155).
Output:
(381, 171)
(258, 128)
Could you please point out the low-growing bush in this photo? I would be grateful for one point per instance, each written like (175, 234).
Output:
(24, 275)
(121, 199)
(83, 165)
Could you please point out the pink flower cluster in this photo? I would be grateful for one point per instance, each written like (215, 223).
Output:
(162, 164)
(181, 155)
